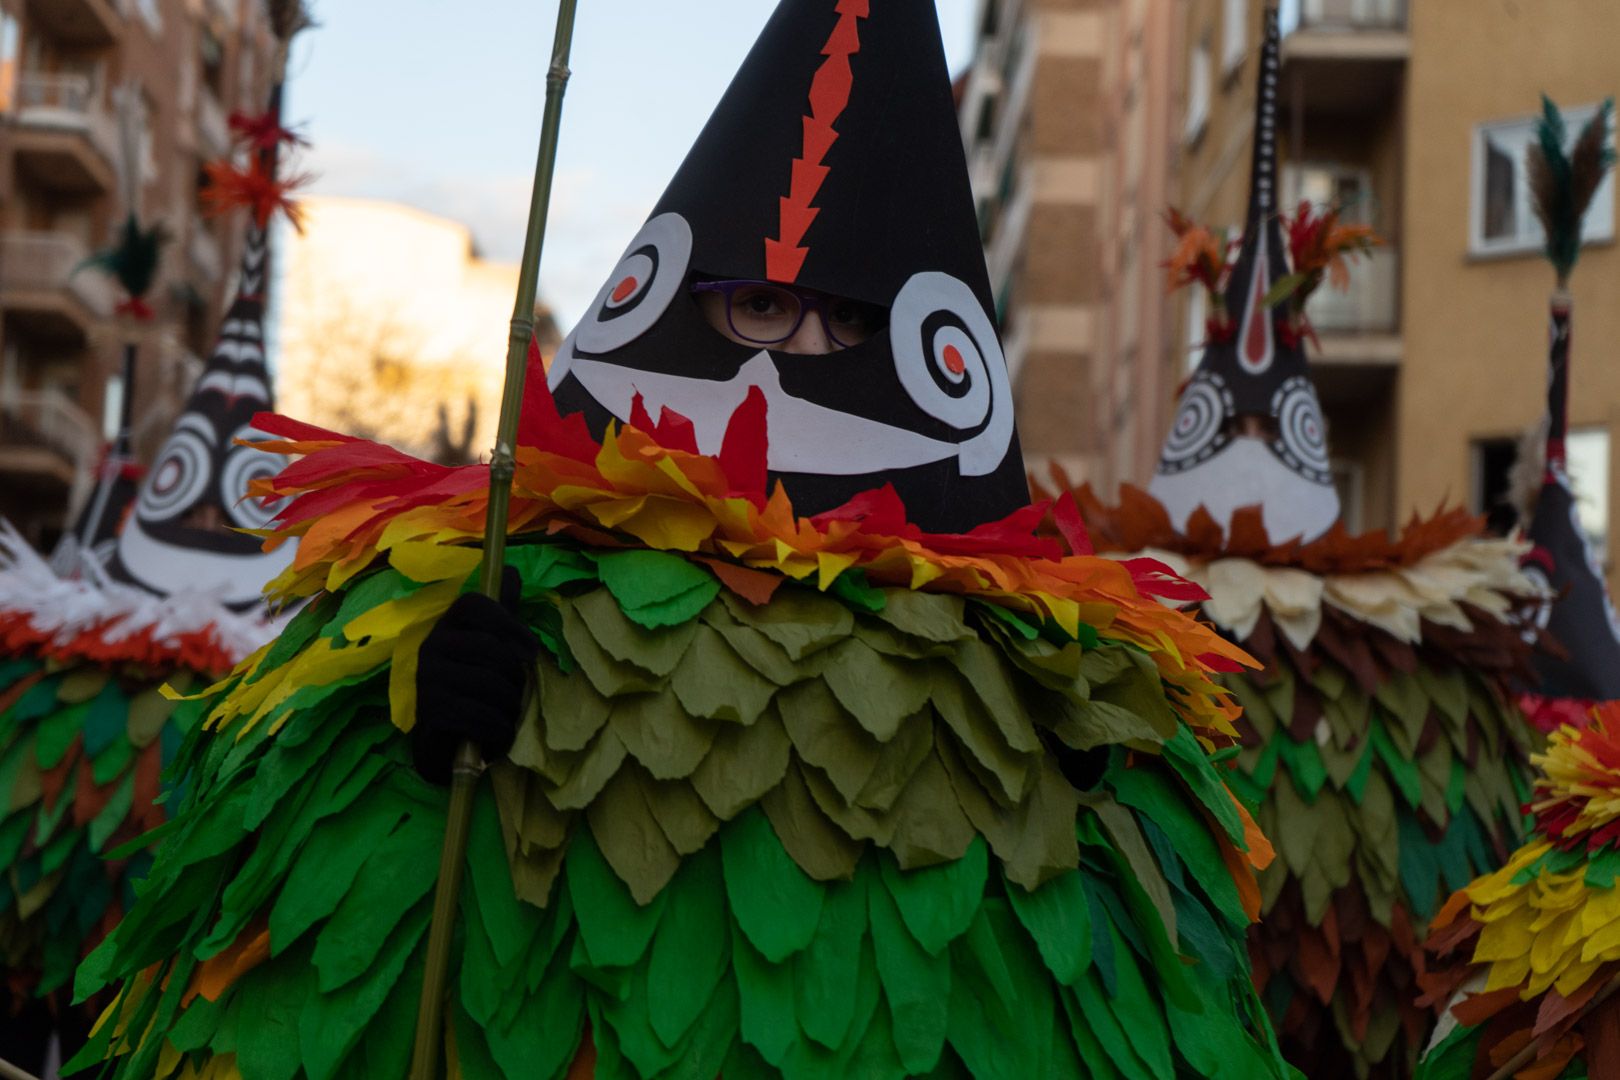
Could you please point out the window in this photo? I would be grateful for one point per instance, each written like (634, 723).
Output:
(1198, 76)
(1588, 453)
(1197, 313)
(1349, 483)
(1234, 34)
(1588, 450)
(1500, 218)
(1347, 187)
(112, 406)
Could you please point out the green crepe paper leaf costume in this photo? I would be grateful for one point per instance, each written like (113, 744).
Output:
(821, 837)
(1384, 787)
(82, 750)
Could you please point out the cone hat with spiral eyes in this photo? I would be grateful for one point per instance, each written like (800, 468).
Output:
(834, 163)
(1581, 618)
(182, 533)
(1253, 366)
(1526, 964)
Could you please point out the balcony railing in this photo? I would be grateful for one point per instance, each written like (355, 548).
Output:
(1368, 306)
(50, 421)
(211, 123)
(66, 103)
(1352, 14)
(45, 262)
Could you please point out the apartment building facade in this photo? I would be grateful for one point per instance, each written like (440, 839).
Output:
(102, 102)
(1414, 117)
(1067, 113)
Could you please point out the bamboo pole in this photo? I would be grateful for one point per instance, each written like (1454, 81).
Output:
(464, 777)
(1530, 1049)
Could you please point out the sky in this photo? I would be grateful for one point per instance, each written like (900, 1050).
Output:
(439, 105)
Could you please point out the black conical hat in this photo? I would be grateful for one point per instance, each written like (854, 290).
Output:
(1581, 617)
(181, 533)
(1257, 368)
(833, 162)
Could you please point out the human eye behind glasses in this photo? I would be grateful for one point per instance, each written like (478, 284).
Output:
(854, 319)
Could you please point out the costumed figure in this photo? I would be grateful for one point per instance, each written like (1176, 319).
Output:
(156, 592)
(1527, 959)
(826, 795)
(1380, 742)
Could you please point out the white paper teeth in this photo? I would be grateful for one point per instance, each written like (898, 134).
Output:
(1482, 572)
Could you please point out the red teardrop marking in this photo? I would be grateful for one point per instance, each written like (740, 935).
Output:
(1255, 343)
(623, 289)
(954, 361)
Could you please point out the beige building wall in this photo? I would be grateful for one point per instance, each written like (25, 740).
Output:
(1476, 341)
(388, 312)
(1032, 122)
(1142, 364)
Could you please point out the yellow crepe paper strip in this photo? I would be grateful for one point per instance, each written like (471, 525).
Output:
(1553, 929)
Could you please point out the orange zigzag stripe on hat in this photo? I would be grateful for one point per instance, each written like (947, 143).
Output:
(829, 93)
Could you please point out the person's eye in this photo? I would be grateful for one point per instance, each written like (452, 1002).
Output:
(760, 302)
(850, 314)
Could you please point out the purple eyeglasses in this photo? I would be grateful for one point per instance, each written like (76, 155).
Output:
(766, 313)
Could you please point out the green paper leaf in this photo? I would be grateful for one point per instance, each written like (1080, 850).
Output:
(112, 815)
(773, 901)
(768, 1016)
(1001, 1011)
(653, 651)
(400, 871)
(827, 970)
(689, 952)
(1058, 918)
(713, 681)
(800, 621)
(938, 903)
(851, 587)
(743, 764)
(915, 982)
(656, 588)
(616, 930)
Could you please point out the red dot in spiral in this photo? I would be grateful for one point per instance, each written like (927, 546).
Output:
(954, 361)
(624, 288)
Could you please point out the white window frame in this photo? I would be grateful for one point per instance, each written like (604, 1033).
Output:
(1199, 89)
(1598, 227)
(1234, 34)
(1589, 479)
(1197, 315)
(1350, 477)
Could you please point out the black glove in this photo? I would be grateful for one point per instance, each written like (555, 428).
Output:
(470, 678)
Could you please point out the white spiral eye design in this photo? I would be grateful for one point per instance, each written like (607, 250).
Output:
(1301, 429)
(646, 278)
(949, 360)
(1536, 614)
(1199, 424)
(243, 465)
(181, 472)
